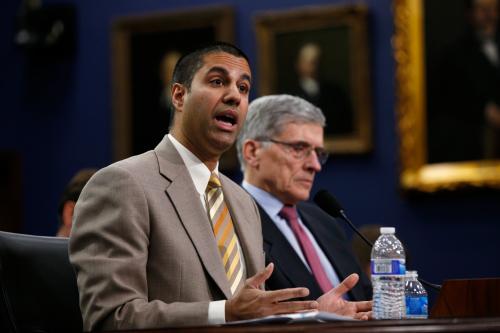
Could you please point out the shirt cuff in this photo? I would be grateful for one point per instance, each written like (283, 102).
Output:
(217, 312)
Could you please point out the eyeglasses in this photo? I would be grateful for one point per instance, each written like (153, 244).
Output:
(301, 150)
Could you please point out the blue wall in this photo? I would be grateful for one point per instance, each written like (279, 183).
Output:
(60, 121)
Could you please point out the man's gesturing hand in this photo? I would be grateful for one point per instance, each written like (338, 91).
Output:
(332, 301)
(252, 302)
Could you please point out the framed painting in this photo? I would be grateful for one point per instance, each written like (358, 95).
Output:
(321, 54)
(448, 94)
(145, 50)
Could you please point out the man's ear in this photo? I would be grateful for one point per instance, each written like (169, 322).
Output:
(178, 94)
(67, 213)
(250, 152)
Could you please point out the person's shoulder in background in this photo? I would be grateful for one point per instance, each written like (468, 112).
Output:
(68, 200)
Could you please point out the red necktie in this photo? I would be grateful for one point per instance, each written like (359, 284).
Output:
(289, 213)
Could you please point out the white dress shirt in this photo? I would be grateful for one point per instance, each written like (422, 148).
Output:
(490, 50)
(200, 174)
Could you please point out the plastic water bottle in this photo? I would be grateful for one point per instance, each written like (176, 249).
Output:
(415, 296)
(388, 276)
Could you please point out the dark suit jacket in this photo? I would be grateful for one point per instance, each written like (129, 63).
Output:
(289, 270)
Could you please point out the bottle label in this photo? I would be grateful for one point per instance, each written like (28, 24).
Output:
(388, 267)
(416, 307)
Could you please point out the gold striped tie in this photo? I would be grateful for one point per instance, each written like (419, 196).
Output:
(225, 236)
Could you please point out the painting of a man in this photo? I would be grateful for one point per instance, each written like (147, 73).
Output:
(311, 85)
(321, 55)
(464, 107)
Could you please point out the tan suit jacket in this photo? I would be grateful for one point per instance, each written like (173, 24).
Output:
(143, 247)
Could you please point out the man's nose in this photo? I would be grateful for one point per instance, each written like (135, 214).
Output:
(233, 95)
(312, 162)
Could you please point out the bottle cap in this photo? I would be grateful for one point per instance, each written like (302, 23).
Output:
(387, 230)
(412, 274)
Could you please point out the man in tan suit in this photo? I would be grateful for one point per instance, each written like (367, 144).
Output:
(147, 244)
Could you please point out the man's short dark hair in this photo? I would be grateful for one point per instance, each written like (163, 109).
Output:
(74, 188)
(189, 64)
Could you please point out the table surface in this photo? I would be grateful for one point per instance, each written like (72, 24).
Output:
(415, 325)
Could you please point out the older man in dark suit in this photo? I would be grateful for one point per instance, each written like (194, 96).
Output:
(281, 149)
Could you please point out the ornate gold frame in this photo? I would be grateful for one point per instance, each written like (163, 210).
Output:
(354, 17)
(415, 173)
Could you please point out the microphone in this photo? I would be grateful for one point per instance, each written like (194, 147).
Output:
(330, 205)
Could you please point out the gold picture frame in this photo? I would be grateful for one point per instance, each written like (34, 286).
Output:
(340, 35)
(139, 45)
(416, 174)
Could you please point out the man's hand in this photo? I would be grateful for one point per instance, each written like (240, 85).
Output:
(332, 301)
(252, 302)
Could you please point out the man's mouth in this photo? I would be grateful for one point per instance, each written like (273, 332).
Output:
(227, 118)
(306, 181)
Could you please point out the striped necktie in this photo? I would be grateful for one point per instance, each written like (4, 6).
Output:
(223, 228)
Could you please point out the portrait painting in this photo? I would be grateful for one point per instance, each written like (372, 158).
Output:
(448, 93)
(145, 51)
(321, 55)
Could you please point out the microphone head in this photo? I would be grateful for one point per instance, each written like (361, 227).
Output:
(328, 203)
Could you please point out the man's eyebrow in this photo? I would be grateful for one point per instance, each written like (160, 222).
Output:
(246, 77)
(218, 69)
(305, 143)
(223, 71)
(300, 142)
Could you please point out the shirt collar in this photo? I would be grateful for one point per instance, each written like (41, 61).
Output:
(271, 205)
(199, 172)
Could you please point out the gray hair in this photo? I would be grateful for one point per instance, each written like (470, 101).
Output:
(268, 115)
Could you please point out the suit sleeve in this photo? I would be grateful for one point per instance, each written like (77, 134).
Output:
(109, 251)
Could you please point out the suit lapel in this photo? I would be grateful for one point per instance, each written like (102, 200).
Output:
(192, 215)
(289, 262)
(331, 245)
